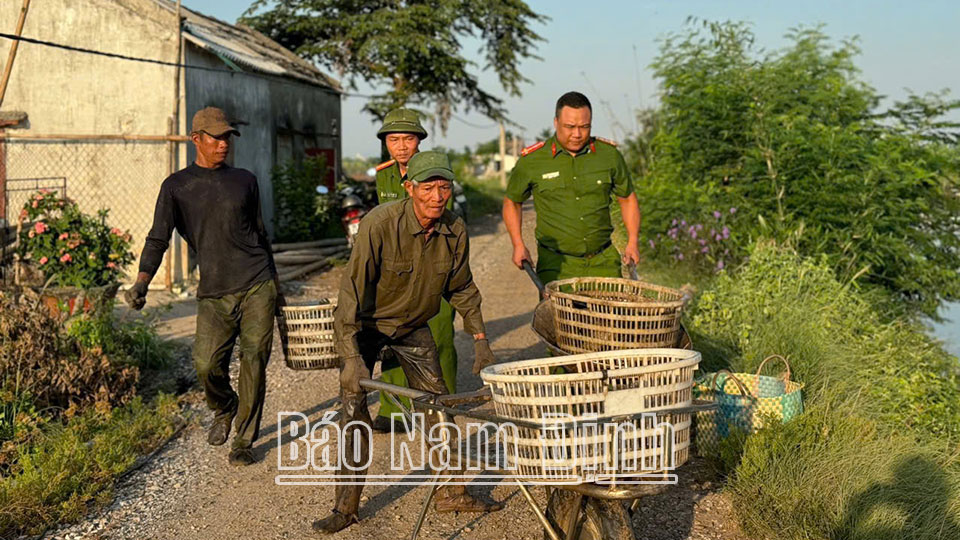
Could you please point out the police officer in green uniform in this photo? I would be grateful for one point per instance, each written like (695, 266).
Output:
(401, 133)
(573, 177)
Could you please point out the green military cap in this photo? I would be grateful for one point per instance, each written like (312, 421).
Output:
(402, 121)
(426, 165)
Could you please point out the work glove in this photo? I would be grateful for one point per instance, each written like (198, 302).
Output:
(351, 372)
(136, 296)
(482, 355)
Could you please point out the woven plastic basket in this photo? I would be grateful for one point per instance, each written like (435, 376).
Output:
(585, 387)
(607, 314)
(306, 333)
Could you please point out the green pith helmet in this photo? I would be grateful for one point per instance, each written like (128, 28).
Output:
(402, 121)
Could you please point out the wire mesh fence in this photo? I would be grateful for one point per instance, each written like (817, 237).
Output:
(122, 177)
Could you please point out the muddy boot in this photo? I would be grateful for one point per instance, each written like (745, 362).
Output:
(456, 499)
(334, 523)
(220, 429)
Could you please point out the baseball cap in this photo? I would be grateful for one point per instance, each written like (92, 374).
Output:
(212, 121)
(430, 164)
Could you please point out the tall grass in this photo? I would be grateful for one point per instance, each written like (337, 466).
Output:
(874, 455)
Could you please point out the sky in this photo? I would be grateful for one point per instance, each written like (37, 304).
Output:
(604, 50)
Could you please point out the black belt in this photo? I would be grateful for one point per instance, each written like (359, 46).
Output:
(587, 256)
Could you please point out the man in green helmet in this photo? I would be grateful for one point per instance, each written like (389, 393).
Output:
(401, 133)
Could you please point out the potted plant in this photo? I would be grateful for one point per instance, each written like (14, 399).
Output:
(79, 255)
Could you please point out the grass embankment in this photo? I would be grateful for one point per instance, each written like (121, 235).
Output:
(70, 420)
(70, 468)
(875, 453)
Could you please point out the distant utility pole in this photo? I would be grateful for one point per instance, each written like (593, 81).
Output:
(503, 157)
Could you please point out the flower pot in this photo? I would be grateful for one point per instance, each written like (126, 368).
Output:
(65, 302)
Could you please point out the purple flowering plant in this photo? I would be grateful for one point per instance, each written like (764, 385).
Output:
(706, 243)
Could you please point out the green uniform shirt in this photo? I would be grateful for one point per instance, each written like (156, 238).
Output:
(571, 194)
(397, 275)
(389, 182)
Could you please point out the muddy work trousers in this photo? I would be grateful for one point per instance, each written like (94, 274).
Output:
(417, 355)
(441, 326)
(246, 316)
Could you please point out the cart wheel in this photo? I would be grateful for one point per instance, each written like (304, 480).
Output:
(600, 519)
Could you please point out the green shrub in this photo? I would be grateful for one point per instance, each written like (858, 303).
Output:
(794, 139)
(301, 213)
(71, 469)
(132, 342)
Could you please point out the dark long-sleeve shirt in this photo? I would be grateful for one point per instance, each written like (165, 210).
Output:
(217, 211)
(398, 273)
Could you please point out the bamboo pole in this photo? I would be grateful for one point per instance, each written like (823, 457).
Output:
(326, 242)
(86, 137)
(307, 268)
(13, 50)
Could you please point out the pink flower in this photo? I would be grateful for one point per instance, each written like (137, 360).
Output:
(111, 265)
(40, 227)
(38, 197)
(720, 265)
(34, 204)
(116, 232)
(66, 258)
(733, 210)
(63, 236)
(23, 214)
(43, 260)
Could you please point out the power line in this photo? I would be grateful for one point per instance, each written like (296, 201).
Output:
(471, 124)
(111, 55)
(14, 37)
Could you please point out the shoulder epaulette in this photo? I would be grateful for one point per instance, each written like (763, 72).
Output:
(385, 164)
(608, 141)
(531, 148)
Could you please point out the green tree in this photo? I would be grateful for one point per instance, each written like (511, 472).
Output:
(414, 47)
(795, 142)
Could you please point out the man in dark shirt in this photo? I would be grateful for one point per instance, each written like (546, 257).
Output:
(216, 209)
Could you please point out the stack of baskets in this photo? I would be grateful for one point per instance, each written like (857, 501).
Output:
(307, 336)
(620, 336)
(606, 314)
(572, 444)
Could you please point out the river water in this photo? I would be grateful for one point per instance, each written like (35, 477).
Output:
(949, 329)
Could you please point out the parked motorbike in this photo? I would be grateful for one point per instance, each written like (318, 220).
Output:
(459, 201)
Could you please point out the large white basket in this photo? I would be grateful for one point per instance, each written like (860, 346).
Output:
(557, 391)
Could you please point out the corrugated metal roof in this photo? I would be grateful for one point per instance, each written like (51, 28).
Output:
(249, 49)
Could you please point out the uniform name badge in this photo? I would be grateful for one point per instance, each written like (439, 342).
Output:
(549, 175)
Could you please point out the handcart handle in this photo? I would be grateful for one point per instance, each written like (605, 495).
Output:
(528, 268)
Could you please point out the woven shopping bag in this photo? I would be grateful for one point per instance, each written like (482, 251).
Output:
(745, 402)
